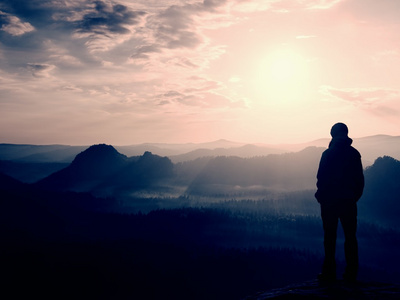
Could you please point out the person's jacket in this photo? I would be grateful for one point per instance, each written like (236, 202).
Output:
(340, 177)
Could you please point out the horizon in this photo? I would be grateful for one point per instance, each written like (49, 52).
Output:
(261, 144)
(85, 72)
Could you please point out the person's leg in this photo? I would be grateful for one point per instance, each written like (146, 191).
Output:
(348, 219)
(330, 222)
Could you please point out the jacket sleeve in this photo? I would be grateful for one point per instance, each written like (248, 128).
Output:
(359, 177)
(321, 179)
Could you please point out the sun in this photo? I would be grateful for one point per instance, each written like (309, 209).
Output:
(281, 68)
(281, 76)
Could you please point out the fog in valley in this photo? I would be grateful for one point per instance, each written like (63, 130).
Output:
(226, 225)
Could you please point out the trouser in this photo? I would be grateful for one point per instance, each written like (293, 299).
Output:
(347, 214)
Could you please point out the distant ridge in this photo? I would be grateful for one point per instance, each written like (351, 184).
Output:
(370, 147)
(245, 151)
(288, 171)
(170, 150)
(39, 153)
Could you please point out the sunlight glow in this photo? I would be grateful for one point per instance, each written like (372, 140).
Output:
(282, 68)
(282, 76)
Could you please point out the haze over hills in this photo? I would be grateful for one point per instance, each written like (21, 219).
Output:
(103, 171)
(163, 149)
(244, 151)
(276, 172)
(39, 153)
(370, 147)
(227, 226)
(30, 163)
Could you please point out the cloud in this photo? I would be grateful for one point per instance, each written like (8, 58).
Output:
(251, 6)
(174, 28)
(13, 25)
(234, 79)
(40, 70)
(143, 51)
(386, 56)
(89, 30)
(373, 11)
(172, 94)
(97, 25)
(198, 92)
(322, 4)
(171, 35)
(283, 6)
(202, 100)
(107, 17)
(361, 96)
(387, 112)
(301, 37)
(105, 24)
(181, 26)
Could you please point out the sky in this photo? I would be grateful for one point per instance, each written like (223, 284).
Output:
(82, 72)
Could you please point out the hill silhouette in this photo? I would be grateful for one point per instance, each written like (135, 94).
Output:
(104, 172)
(9, 183)
(370, 147)
(57, 240)
(102, 169)
(382, 191)
(87, 170)
(147, 172)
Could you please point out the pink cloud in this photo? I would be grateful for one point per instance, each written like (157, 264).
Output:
(40, 70)
(322, 4)
(13, 25)
(362, 96)
(377, 101)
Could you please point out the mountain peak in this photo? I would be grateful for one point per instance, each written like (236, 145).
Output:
(98, 153)
(92, 165)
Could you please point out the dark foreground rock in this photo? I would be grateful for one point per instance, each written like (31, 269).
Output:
(313, 290)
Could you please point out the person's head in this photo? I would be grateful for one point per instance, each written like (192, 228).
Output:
(339, 130)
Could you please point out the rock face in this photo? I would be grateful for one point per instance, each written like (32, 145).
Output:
(313, 290)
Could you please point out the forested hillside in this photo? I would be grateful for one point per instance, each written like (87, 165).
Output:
(212, 228)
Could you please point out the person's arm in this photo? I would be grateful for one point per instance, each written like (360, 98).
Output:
(359, 178)
(321, 178)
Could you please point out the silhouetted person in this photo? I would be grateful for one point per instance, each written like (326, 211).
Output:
(340, 183)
